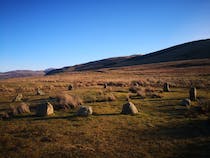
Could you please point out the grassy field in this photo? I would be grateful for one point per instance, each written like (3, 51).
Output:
(163, 128)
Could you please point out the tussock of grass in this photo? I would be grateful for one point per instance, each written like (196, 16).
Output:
(66, 101)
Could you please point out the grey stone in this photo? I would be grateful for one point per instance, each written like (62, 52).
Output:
(129, 108)
(186, 102)
(39, 92)
(84, 111)
(18, 97)
(45, 109)
(193, 93)
(166, 87)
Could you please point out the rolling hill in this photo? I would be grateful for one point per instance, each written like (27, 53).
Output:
(187, 51)
(20, 73)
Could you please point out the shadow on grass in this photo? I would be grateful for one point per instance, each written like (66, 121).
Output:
(165, 99)
(69, 117)
(5, 102)
(199, 149)
(24, 116)
(108, 114)
(73, 117)
(173, 111)
(34, 117)
(43, 100)
(190, 138)
(19, 117)
(3, 109)
(198, 131)
(185, 130)
(178, 111)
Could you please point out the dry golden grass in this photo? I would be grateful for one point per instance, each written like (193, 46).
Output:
(66, 101)
(163, 128)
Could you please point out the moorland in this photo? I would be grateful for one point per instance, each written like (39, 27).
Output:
(162, 128)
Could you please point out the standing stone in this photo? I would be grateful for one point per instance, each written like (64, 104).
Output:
(129, 108)
(166, 87)
(136, 84)
(19, 97)
(84, 111)
(192, 93)
(70, 87)
(45, 109)
(186, 102)
(39, 92)
(105, 85)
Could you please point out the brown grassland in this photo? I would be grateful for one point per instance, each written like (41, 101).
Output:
(163, 128)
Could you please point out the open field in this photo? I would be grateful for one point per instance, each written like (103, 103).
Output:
(163, 128)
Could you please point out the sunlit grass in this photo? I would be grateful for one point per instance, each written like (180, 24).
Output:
(160, 129)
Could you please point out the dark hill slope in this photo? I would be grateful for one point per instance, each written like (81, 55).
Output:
(94, 65)
(192, 50)
(187, 51)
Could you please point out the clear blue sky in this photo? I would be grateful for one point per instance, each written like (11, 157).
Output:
(38, 34)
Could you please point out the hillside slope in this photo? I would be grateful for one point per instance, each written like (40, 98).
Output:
(192, 50)
(20, 73)
(187, 51)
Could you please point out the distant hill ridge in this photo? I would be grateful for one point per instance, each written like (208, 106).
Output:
(20, 73)
(187, 51)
